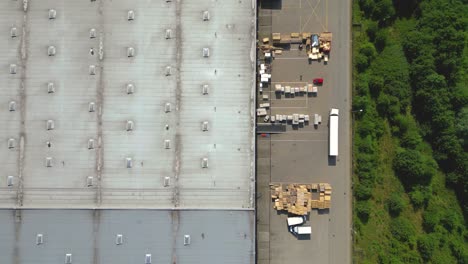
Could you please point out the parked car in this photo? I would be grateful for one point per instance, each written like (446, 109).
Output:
(318, 81)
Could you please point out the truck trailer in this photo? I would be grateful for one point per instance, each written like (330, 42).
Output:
(333, 133)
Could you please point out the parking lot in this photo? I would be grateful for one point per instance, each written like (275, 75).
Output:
(301, 154)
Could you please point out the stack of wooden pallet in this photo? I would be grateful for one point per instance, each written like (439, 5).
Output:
(297, 198)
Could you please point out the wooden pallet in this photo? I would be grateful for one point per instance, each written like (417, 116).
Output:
(297, 198)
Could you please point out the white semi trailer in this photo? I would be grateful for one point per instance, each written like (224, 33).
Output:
(333, 133)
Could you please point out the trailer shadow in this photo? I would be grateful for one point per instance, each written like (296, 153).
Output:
(331, 161)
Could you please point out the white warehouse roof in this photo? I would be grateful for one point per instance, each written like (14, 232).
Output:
(86, 52)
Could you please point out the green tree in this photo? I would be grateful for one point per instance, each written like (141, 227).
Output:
(462, 127)
(412, 167)
(362, 62)
(384, 11)
(367, 49)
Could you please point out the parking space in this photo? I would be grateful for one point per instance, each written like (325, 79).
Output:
(301, 154)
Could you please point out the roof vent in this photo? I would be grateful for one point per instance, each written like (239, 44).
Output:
(92, 33)
(68, 258)
(12, 68)
(186, 240)
(131, 15)
(206, 15)
(51, 50)
(167, 144)
(148, 259)
(92, 107)
(204, 163)
(52, 13)
(205, 88)
(130, 125)
(39, 239)
(89, 181)
(50, 87)
(167, 107)
(50, 125)
(130, 88)
(206, 52)
(119, 239)
(48, 162)
(168, 70)
(130, 52)
(92, 70)
(91, 143)
(129, 162)
(12, 106)
(9, 181)
(168, 34)
(11, 143)
(13, 32)
(167, 181)
(204, 126)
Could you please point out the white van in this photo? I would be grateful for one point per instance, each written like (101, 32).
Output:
(301, 230)
(297, 220)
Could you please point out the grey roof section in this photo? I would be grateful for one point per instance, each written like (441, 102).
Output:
(90, 236)
(227, 182)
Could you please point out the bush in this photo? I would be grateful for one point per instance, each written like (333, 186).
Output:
(372, 29)
(388, 105)
(427, 244)
(381, 40)
(363, 190)
(411, 139)
(363, 209)
(361, 85)
(431, 218)
(420, 196)
(360, 102)
(376, 84)
(459, 250)
(396, 204)
(402, 229)
(451, 220)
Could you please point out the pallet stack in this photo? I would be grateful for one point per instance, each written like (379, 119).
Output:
(297, 198)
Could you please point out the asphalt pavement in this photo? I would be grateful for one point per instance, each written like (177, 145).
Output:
(301, 154)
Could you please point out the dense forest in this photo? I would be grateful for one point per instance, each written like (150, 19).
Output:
(410, 151)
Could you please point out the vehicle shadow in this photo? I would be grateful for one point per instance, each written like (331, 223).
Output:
(271, 4)
(331, 161)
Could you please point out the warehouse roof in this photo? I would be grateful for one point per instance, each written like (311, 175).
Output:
(124, 104)
(127, 236)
